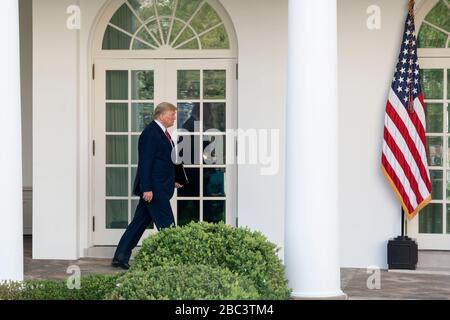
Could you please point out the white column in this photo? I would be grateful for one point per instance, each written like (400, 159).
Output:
(311, 231)
(11, 233)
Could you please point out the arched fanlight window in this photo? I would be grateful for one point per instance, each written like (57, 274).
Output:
(179, 24)
(435, 29)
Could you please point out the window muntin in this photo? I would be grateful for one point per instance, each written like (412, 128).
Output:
(435, 30)
(152, 24)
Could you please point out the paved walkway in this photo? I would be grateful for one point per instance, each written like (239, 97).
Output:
(57, 269)
(354, 281)
(394, 286)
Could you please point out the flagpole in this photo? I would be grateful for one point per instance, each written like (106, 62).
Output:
(406, 226)
(404, 235)
(411, 5)
(403, 223)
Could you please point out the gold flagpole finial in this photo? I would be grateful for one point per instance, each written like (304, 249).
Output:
(411, 5)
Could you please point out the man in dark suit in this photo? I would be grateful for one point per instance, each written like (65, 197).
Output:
(154, 182)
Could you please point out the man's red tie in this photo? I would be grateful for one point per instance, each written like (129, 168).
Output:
(168, 137)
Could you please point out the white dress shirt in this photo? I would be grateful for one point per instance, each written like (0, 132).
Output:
(161, 126)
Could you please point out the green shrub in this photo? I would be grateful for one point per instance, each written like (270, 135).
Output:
(241, 251)
(10, 290)
(189, 282)
(198, 261)
(95, 287)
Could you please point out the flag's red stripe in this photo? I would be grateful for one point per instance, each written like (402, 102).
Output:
(410, 143)
(419, 126)
(420, 97)
(415, 120)
(397, 183)
(424, 108)
(404, 164)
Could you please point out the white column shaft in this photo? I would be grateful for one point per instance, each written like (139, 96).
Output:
(311, 234)
(11, 233)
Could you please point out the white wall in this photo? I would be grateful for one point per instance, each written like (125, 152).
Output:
(55, 103)
(89, 14)
(370, 213)
(261, 27)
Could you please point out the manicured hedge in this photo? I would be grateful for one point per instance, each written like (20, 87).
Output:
(189, 282)
(239, 250)
(95, 287)
(197, 261)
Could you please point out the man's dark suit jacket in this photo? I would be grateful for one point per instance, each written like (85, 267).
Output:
(156, 170)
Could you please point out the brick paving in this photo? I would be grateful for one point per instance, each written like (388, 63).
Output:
(396, 286)
(57, 269)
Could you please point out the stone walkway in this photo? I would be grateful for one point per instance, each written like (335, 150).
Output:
(395, 286)
(354, 281)
(57, 269)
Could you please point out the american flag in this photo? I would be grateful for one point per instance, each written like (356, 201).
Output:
(404, 158)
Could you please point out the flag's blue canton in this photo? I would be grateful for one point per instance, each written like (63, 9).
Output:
(406, 82)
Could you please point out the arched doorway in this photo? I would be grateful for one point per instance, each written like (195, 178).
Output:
(432, 226)
(145, 52)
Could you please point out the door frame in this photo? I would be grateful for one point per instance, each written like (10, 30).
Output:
(436, 241)
(100, 65)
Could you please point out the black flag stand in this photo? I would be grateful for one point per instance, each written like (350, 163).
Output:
(403, 251)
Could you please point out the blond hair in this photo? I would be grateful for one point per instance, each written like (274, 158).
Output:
(163, 107)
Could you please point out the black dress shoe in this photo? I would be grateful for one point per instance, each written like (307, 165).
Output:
(119, 264)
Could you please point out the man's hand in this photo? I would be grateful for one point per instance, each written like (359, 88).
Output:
(148, 196)
(178, 186)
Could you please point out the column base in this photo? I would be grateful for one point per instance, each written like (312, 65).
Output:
(326, 296)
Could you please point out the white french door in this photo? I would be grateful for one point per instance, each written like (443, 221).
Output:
(126, 93)
(431, 227)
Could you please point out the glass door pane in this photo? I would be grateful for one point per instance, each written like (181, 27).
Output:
(124, 107)
(202, 101)
(431, 218)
